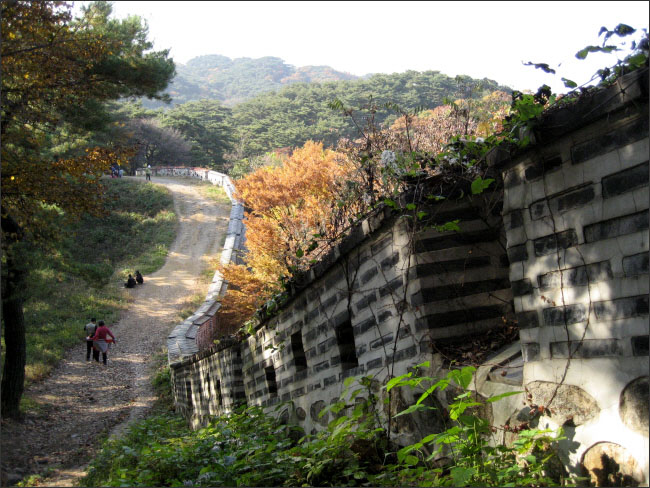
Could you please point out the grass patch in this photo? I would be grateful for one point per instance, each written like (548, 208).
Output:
(214, 192)
(192, 303)
(81, 274)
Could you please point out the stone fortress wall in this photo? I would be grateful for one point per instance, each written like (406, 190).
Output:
(561, 250)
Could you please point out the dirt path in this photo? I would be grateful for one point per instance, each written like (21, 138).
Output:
(76, 409)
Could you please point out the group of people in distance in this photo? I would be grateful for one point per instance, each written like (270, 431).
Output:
(116, 170)
(131, 281)
(97, 339)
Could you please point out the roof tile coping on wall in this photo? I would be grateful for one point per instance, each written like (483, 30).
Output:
(628, 89)
(199, 355)
(181, 341)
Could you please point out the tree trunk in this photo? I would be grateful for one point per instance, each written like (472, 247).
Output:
(15, 353)
(13, 375)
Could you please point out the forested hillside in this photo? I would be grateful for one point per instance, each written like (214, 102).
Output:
(281, 107)
(234, 80)
(301, 112)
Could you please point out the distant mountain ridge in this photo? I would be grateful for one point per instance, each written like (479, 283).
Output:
(232, 81)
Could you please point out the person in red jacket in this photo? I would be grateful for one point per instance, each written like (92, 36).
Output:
(101, 340)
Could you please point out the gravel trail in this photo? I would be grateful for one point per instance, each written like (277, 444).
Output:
(82, 400)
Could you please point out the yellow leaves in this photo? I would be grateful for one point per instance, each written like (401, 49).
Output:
(288, 205)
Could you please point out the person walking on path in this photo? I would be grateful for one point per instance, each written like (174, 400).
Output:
(147, 172)
(101, 340)
(90, 329)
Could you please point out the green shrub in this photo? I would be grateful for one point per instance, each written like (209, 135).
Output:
(79, 275)
(251, 448)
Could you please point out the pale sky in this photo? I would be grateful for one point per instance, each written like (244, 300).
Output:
(479, 39)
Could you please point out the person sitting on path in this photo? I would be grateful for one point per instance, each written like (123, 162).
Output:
(101, 340)
(90, 329)
(130, 283)
(138, 277)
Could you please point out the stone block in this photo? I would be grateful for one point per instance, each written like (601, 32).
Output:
(298, 392)
(511, 178)
(590, 348)
(640, 345)
(566, 402)
(560, 316)
(368, 298)
(326, 345)
(611, 141)
(552, 243)
(621, 308)
(390, 262)
(514, 219)
(390, 287)
(539, 209)
(453, 265)
(528, 320)
(364, 326)
(619, 226)
(383, 316)
(403, 354)
(351, 372)
(573, 199)
(377, 343)
(633, 405)
(381, 244)
(446, 319)
(517, 253)
(447, 241)
(636, 264)
(626, 180)
(530, 352)
(578, 276)
(375, 363)
(521, 287)
(368, 275)
(537, 169)
(463, 289)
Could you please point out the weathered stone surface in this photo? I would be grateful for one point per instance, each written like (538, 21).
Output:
(589, 348)
(616, 227)
(521, 287)
(418, 424)
(640, 345)
(530, 351)
(636, 264)
(517, 253)
(539, 168)
(301, 414)
(621, 308)
(527, 320)
(579, 276)
(609, 464)
(551, 243)
(633, 405)
(315, 410)
(571, 314)
(568, 401)
(625, 180)
(607, 142)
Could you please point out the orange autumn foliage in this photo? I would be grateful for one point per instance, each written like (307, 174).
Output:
(288, 205)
